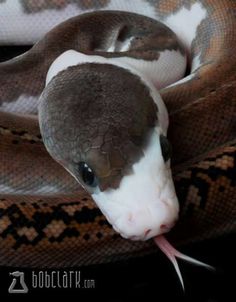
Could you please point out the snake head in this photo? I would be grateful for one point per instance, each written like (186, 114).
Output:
(107, 127)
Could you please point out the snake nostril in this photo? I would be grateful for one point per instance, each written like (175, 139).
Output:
(163, 227)
(147, 232)
(130, 218)
(166, 227)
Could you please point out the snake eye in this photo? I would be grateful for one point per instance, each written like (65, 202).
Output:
(87, 174)
(166, 148)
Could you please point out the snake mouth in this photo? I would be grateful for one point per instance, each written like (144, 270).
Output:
(147, 233)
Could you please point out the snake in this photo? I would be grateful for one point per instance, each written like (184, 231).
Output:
(84, 113)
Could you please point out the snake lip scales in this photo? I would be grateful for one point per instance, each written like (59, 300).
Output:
(97, 83)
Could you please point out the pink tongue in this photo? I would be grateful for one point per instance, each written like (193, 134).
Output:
(172, 254)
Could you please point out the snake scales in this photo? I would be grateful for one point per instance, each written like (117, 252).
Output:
(39, 227)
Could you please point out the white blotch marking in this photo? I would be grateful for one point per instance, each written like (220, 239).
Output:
(196, 64)
(21, 28)
(182, 81)
(147, 195)
(120, 46)
(73, 58)
(125, 46)
(45, 189)
(25, 104)
(185, 22)
(141, 7)
(6, 189)
(169, 68)
(18, 27)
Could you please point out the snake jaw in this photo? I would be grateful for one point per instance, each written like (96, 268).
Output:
(172, 254)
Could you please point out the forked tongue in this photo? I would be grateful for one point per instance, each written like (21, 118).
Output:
(172, 254)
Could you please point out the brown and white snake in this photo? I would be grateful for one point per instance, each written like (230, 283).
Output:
(46, 219)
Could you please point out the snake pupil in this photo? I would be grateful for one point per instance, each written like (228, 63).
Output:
(165, 148)
(87, 175)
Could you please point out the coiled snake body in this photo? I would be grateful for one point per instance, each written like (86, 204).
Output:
(46, 218)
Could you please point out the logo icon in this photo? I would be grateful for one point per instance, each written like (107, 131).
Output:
(18, 283)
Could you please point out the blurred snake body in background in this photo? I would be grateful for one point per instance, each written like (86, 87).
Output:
(98, 82)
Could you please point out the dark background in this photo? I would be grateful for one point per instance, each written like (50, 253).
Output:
(149, 278)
